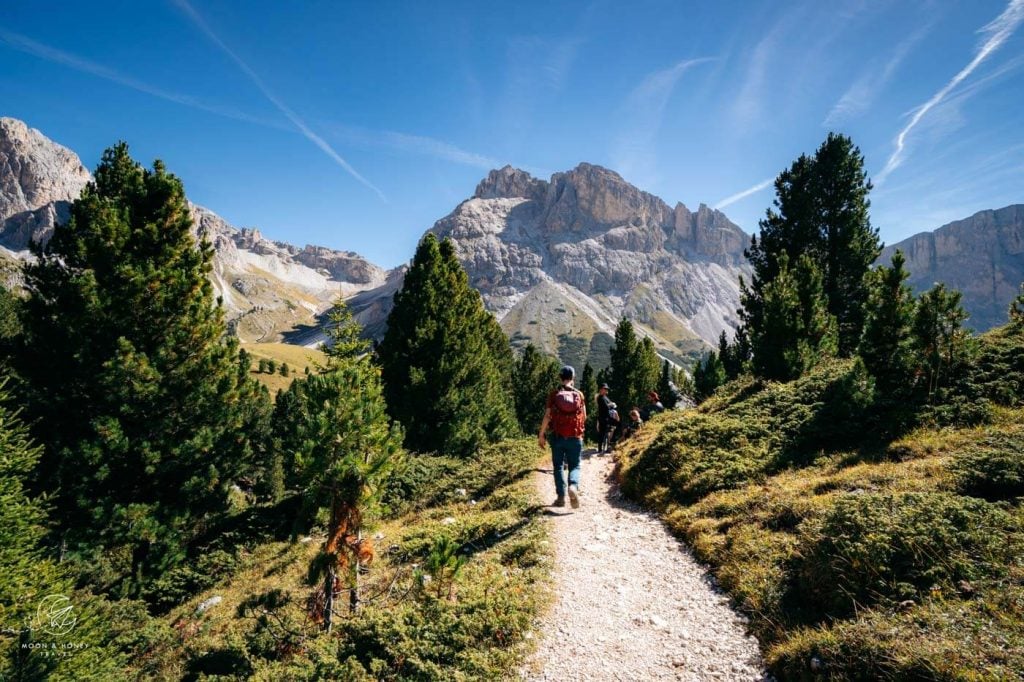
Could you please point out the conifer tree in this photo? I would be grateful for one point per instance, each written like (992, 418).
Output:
(667, 386)
(348, 449)
(28, 576)
(588, 384)
(942, 344)
(635, 367)
(648, 372)
(821, 210)
(708, 375)
(285, 370)
(445, 373)
(1016, 311)
(796, 330)
(887, 344)
(621, 380)
(535, 376)
(136, 392)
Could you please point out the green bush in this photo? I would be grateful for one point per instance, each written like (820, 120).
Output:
(992, 469)
(876, 548)
(734, 440)
(999, 368)
(978, 639)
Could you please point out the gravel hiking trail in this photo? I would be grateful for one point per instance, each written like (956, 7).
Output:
(630, 601)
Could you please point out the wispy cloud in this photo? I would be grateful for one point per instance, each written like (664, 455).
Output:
(644, 110)
(860, 95)
(299, 124)
(728, 201)
(405, 143)
(998, 32)
(56, 56)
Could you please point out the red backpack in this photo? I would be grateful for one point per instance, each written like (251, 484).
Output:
(567, 413)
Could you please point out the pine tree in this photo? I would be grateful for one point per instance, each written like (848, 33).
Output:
(588, 384)
(635, 368)
(344, 335)
(28, 576)
(622, 371)
(348, 449)
(942, 344)
(821, 210)
(667, 388)
(136, 392)
(271, 367)
(648, 372)
(535, 376)
(285, 370)
(887, 345)
(795, 330)
(1016, 311)
(445, 373)
(708, 375)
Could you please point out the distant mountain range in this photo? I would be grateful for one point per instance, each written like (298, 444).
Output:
(558, 261)
(982, 256)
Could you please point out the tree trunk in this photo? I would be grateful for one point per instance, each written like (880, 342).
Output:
(354, 593)
(328, 599)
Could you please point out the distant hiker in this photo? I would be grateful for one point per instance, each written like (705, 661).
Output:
(653, 407)
(614, 425)
(602, 419)
(566, 413)
(633, 426)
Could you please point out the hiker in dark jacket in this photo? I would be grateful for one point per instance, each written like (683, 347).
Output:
(603, 432)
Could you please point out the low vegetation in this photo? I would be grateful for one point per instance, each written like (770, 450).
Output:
(461, 563)
(855, 557)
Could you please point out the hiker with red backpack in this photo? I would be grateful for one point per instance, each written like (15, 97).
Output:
(566, 413)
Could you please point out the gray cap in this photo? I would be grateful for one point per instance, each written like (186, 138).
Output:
(567, 373)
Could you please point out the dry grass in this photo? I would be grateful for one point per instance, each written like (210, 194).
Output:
(298, 359)
(472, 627)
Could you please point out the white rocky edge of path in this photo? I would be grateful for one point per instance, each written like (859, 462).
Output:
(631, 602)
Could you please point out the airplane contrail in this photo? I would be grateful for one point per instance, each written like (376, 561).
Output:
(299, 124)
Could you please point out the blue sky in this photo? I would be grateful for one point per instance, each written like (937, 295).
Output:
(357, 125)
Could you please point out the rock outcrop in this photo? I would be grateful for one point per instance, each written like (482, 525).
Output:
(982, 256)
(561, 261)
(38, 181)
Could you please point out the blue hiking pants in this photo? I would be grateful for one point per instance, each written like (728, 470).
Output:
(566, 451)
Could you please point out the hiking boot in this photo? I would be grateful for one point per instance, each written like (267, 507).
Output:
(574, 497)
(559, 501)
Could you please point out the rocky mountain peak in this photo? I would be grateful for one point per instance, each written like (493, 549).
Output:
(509, 183)
(38, 180)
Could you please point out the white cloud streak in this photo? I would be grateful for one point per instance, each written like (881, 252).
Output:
(405, 143)
(299, 124)
(999, 30)
(728, 201)
(856, 100)
(52, 54)
(644, 109)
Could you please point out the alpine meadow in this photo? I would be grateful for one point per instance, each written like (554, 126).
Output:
(441, 411)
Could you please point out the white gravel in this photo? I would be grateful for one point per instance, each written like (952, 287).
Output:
(631, 601)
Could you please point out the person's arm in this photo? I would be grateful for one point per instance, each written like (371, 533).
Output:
(541, 438)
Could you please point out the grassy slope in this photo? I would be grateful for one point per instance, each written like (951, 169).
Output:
(874, 561)
(297, 358)
(406, 630)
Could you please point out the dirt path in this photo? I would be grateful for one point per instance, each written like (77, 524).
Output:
(632, 603)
